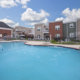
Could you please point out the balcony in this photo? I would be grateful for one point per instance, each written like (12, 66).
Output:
(46, 31)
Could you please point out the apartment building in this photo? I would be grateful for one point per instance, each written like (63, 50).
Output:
(22, 32)
(5, 30)
(41, 32)
(78, 30)
(56, 30)
(69, 31)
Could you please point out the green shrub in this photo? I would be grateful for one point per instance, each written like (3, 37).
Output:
(53, 41)
(26, 38)
(70, 42)
(67, 42)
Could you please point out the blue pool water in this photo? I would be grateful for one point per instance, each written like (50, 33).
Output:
(23, 62)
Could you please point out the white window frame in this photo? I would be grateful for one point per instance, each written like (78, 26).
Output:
(38, 29)
(57, 35)
(71, 25)
(38, 36)
(72, 35)
(57, 27)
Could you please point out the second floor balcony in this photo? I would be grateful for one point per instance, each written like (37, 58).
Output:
(46, 31)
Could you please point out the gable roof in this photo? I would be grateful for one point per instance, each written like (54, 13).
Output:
(4, 25)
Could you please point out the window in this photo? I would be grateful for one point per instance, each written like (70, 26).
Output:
(5, 34)
(0, 35)
(38, 29)
(71, 35)
(57, 35)
(47, 29)
(71, 25)
(38, 36)
(57, 27)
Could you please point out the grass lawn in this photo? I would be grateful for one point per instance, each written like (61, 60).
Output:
(70, 42)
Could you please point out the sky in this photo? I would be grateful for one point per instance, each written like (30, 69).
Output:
(27, 13)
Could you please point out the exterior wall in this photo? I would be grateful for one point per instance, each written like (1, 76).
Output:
(19, 30)
(39, 32)
(43, 33)
(52, 30)
(31, 31)
(78, 29)
(7, 32)
(67, 30)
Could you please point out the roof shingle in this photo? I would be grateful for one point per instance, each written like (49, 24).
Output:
(4, 25)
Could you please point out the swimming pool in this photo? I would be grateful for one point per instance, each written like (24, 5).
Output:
(23, 62)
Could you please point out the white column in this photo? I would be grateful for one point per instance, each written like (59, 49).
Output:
(50, 36)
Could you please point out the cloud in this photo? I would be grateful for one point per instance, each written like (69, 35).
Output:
(12, 3)
(32, 17)
(23, 2)
(59, 19)
(70, 15)
(45, 21)
(9, 22)
(7, 3)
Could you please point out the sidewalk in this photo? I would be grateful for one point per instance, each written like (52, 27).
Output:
(42, 43)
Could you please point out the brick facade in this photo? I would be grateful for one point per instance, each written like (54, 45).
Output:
(52, 30)
(7, 32)
(78, 29)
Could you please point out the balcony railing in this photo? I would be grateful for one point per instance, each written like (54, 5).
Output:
(46, 31)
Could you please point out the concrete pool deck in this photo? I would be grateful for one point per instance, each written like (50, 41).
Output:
(42, 43)
(12, 40)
